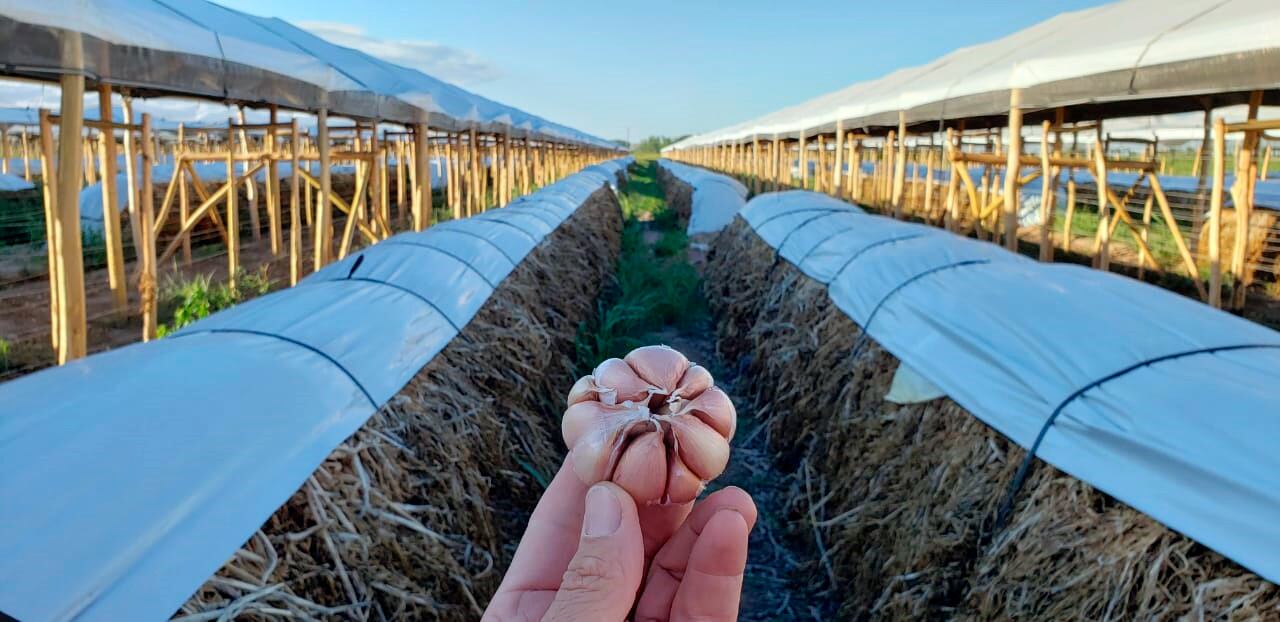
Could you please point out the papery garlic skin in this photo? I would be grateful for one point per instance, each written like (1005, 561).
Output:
(651, 422)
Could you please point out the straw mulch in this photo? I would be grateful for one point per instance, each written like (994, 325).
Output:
(678, 194)
(897, 501)
(417, 514)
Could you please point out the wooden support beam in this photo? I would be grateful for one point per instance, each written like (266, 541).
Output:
(295, 214)
(112, 232)
(72, 323)
(49, 174)
(272, 185)
(233, 211)
(147, 285)
(900, 165)
(422, 187)
(251, 188)
(1047, 195)
(1012, 171)
(324, 217)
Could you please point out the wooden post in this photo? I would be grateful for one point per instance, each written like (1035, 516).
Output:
(147, 248)
(26, 155)
(1012, 171)
(112, 233)
(855, 172)
(837, 173)
(4, 149)
(184, 199)
(1103, 261)
(295, 215)
(233, 209)
(250, 187)
(1242, 191)
(66, 226)
(952, 218)
(755, 163)
(803, 159)
(900, 165)
(324, 218)
(272, 185)
(1046, 196)
(131, 173)
(1215, 213)
(48, 174)
(928, 183)
(422, 191)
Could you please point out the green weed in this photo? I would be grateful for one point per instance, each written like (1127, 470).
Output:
(195, 299)
(654, 285)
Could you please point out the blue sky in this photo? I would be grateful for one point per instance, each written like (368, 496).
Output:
(660, 66)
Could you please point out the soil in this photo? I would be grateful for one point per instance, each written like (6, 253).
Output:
(775, 586)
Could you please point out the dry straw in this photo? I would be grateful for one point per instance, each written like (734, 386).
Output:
(898, 500)
(416, 515)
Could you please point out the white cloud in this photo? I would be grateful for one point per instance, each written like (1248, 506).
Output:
(447, 63)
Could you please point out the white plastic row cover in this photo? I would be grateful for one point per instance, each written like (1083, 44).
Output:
(1166, 404)
(129, 477)
(716, 198)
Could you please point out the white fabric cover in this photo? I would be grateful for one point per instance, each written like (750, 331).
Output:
(1132, 49)
(203, 49)
(1190, 441)
(132, 475)
(716, 198)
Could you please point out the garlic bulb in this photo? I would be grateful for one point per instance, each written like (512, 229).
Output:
(653, 423)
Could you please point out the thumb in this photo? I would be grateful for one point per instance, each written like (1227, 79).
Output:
(603, 577)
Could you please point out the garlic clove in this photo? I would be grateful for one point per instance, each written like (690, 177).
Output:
(592, 455)
(699, 446)
(694, 383)
(642, 469)
(618, 376)
(661, 366)
(683, 485)
(585, 417)
(715, 409)
(584, 389)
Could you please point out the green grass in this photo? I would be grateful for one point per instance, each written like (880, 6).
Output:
(199, 297)
(4, 355)
(654, 285)
(1084, 224)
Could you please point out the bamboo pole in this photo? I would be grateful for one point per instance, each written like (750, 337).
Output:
(1011, 172)
(855, 171)
(112, 232)
(66, 226)
(1103, 257)
(272, 185)
(324, 217)
(952, 220)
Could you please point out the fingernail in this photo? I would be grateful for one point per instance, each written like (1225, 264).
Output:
(604, 513)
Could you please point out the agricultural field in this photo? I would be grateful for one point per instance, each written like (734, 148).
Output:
(306, 314)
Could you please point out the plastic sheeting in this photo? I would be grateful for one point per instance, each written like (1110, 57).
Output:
(130, 476)
(1165, 403)
(716, 198)
(12, 183)
(1128, 50)
(202, 49)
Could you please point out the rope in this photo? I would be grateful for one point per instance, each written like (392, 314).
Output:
(1006, 507)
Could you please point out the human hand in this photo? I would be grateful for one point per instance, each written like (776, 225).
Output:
(586, 550)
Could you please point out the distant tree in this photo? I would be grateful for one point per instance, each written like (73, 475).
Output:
(621, 143)
(654, 144)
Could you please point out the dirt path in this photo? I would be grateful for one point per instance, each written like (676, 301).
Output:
(776, 588)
